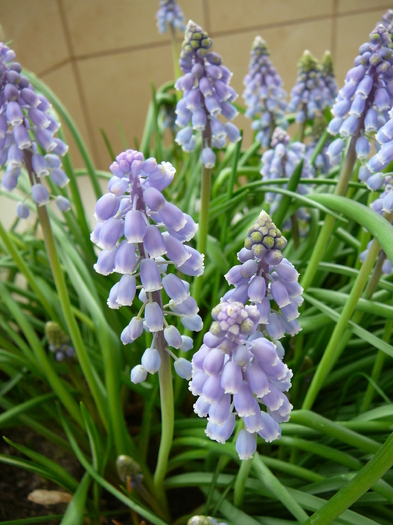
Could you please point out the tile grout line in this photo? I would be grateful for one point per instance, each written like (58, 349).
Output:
(294, 22)
(128, 49)
(78, 80)
(55, 67)
(154, 45)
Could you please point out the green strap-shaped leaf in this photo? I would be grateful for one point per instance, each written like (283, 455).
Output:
(74, 514)
(356, 329)
(64, 478)
(369, 219)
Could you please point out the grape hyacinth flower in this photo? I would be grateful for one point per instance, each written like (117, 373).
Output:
(206, 96)
(308, 94)
(27, 132)
(387, 21)
(279, 162)
(377, 180)
(239, 366)
(362, 105)
(141, 235)
(384, 154)
(322, 161)
(58, 341)
(263, 94)
(328, 78)
(170, 14)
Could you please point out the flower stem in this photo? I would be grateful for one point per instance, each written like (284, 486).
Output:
(65, 303)
(167, 419)
(175, 57)
(240, 483)
(335, 345)
(204, 212)
(327, 228)
(380, 359)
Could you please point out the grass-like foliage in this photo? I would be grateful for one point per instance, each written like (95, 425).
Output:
(66, 357)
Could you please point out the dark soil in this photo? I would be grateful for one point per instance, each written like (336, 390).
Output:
(16, 484)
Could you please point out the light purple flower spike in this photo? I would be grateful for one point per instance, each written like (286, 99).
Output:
(362, 105)
(263, 94)
(308, 96)
(279, 162)
(206, 96)
(169, 14)
(25, 123)
(239, 365)
(142, 235)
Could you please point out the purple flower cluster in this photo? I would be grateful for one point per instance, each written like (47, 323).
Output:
(380, 181)
(387, 266)
(279, 162)
(384, 154)
(264, 95)
(387, 21)
(308, 96)
(27, 129)
(239, 366)
(322, 162)
(170, 14)
(141, 235)
(363, 103)
(328, 78)
(206, 96)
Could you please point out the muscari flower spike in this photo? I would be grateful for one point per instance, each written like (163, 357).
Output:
(279, 162)
(329, 80)
(206, 96)
(377, 180)
(239, 366)
(263, 94)
(362, 105)
(169, 14)
(387, 21)
(308, 94)
(27, 132)
(58, 341)
(322, 161)
(141, 236)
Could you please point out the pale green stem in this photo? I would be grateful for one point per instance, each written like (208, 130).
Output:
(167, 416)
(204, 212)
(175, 57)
(167, 424)
(167, 412)
(327, 228)
(25, 270)
(65, 303)
(354, 489)
(240, 483)
(379, 361)
(334, 347)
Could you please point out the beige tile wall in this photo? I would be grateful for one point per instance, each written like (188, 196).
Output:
(101, 55)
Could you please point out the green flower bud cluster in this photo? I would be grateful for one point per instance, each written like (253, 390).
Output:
(327, 64)
(264, 236)
(195, 41)
(308, 63)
